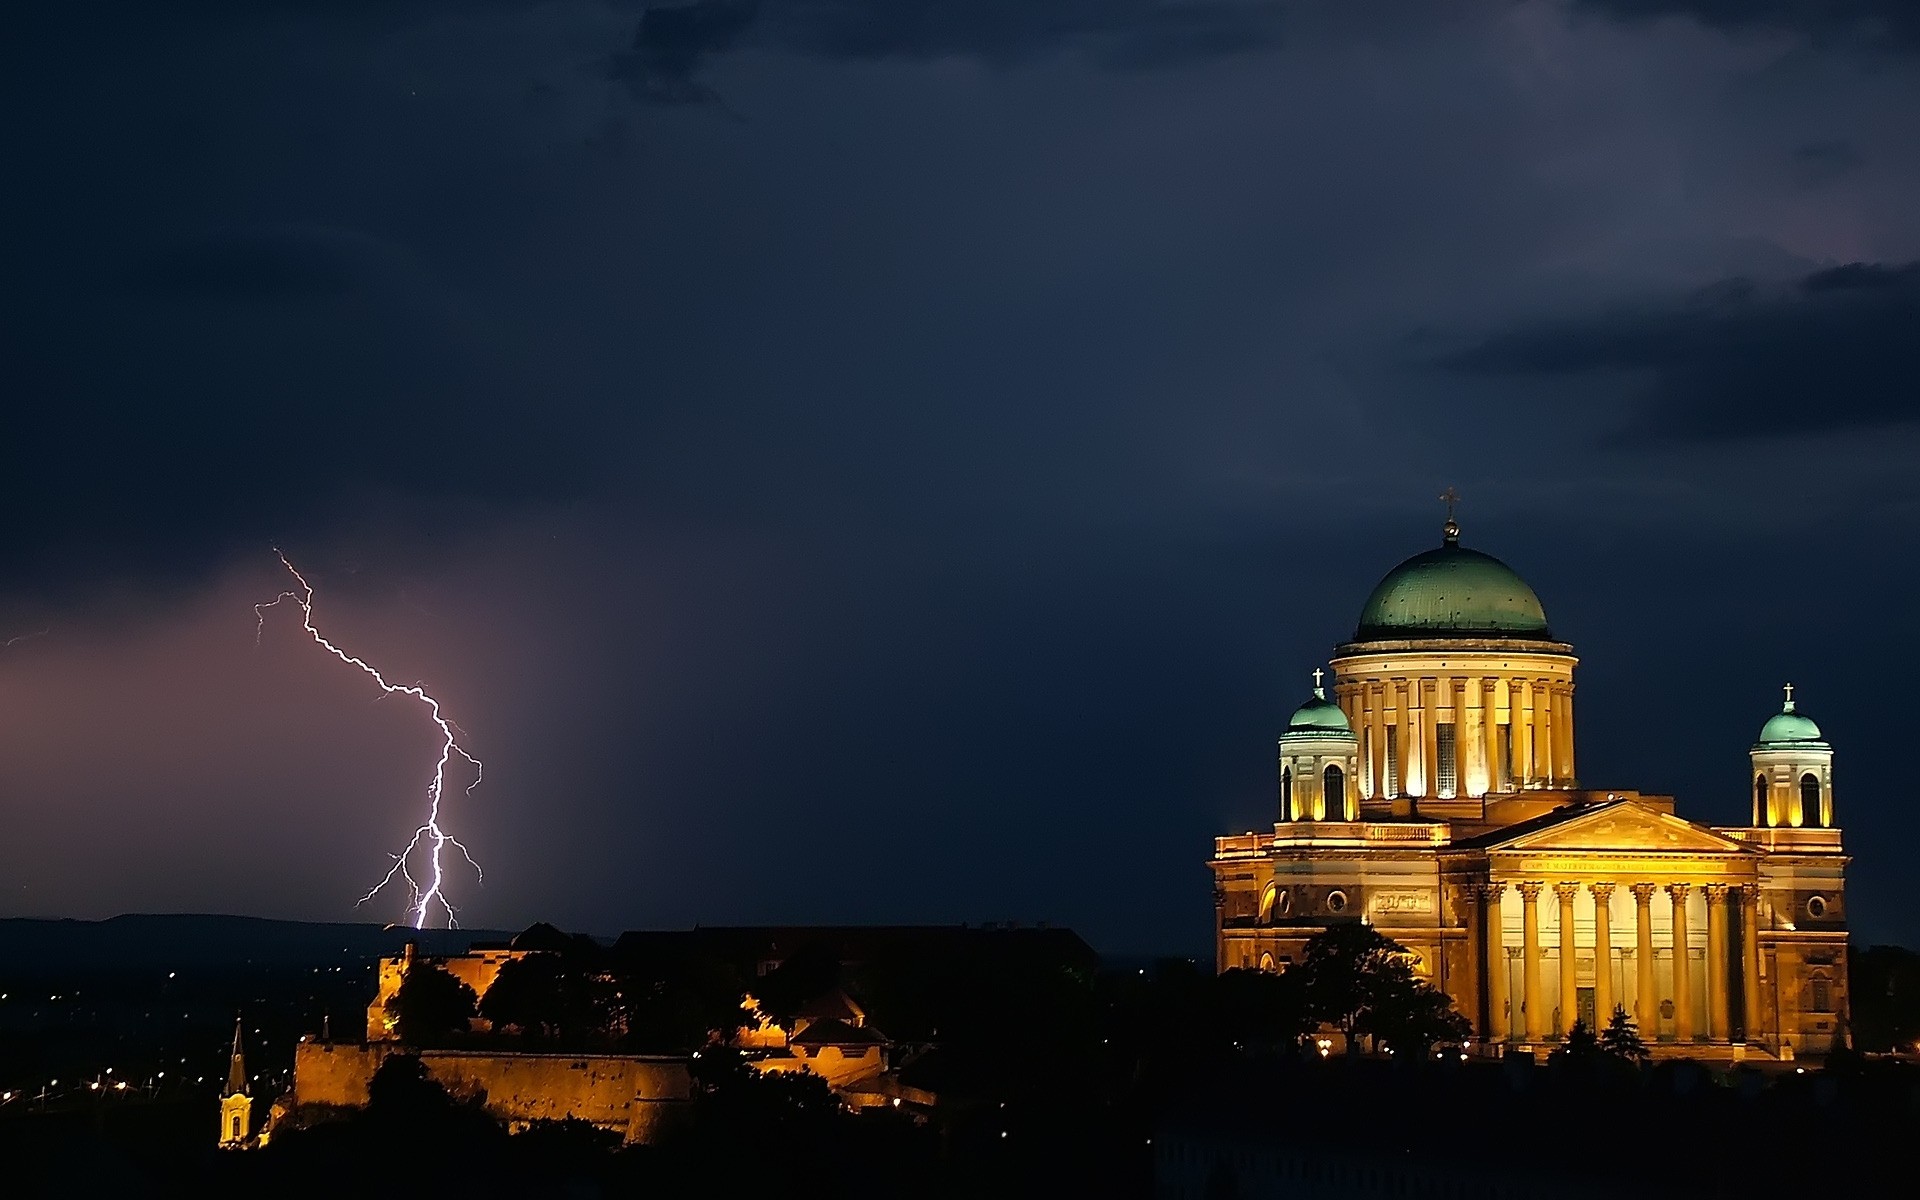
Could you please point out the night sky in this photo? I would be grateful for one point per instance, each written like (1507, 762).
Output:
(899, 460)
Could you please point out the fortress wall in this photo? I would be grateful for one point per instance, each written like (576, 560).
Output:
(632, 1094)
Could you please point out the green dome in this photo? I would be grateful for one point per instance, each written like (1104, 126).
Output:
(1319, 715)
(1452, 592)
(1788, 726)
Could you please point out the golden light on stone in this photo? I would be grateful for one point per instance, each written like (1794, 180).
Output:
(1531, 900)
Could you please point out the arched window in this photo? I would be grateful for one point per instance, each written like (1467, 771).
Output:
(1760, 814)
(1266, 902)
(235, 1135)
(1336, 792)
(1810, 799)
(1286, 793)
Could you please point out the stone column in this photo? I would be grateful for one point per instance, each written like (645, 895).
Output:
(1520, 719)
(1646, 986)
(1462, 738)
(1563, 722)
(1476, 923)
(1377, 752)
(1569, 959)
(1429, 737)
(1490, 730)
(1750, 960)
(1499, 1021)
(1602, 953)
(1682, 971)
(1716, 962)
(1544, 730)
(1405, 715)
(1530, 961)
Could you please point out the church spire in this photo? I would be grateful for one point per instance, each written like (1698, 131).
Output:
(236, 1065)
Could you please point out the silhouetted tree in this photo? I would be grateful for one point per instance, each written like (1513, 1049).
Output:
(1412, 1017)
(805, 976)
(552, 997)
(1362, 983)
(678, 1005)
(1621, 1040)
(431, 1005)
(1579, 1047)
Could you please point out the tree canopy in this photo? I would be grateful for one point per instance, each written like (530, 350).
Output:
(431, 1005)
(1361, 982)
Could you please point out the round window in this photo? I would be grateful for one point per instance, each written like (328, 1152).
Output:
(1816, 907)
(1336, 901)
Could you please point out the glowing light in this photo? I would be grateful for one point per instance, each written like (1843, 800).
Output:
(429, 839)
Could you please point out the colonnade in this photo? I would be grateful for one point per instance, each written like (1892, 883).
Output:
(1490, 956)
(1399, 719)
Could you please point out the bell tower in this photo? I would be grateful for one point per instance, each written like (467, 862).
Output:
(1792, 772)
(236, 1103)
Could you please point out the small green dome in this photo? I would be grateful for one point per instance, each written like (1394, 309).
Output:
(1319, 715)
(1788, 726)
(1452, 592)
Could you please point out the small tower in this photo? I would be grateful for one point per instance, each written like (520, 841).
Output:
(236, 1103)
(1792, 772)
(1319, 762)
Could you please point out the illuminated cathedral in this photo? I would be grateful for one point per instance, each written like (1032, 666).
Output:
(1435, 795)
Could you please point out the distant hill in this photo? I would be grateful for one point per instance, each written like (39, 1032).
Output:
(175, 940)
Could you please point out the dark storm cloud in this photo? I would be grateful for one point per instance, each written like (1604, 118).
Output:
(673, 42)
(1128, 33)
(1822, 162)
(1893, 24)
(1834, 350)
(268, 264)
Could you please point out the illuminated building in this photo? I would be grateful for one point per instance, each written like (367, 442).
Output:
(1435, 795)
(236, 1103)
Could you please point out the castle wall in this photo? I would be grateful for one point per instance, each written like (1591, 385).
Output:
(632, 1094)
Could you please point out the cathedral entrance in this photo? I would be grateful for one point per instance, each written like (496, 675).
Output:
(1583, 1007)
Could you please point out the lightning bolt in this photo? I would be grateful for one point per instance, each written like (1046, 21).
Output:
(425, 894)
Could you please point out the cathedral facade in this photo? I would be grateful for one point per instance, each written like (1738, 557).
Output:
(1435, 796)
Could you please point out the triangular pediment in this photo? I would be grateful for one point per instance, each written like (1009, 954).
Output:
(1620, 826)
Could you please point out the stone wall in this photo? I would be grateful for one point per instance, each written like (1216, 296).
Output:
(632, 1094)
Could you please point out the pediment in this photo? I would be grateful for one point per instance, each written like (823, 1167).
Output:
(1621, 826)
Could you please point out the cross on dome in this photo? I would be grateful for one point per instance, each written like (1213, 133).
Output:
(1317, 689)
(1789, 704)
(1451, 529)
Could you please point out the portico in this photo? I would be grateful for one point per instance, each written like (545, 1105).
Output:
(1615, 904)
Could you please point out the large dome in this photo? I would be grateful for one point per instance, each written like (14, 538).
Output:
(1452, 592)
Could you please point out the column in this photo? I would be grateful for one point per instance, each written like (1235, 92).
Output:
(1682, 973)
(1377, 721)
(1490, 730)
(1543, 702)
(1500, 1022)
(1602, 953)
(1462, 738)
(1716, 961)
(1566, 706)
(1476, 922)
(1750, 959)
(1405, 715)
(1530, 961)
(1429, 737)
(1647, 1007)
(1520, 718)
(1569, 959)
